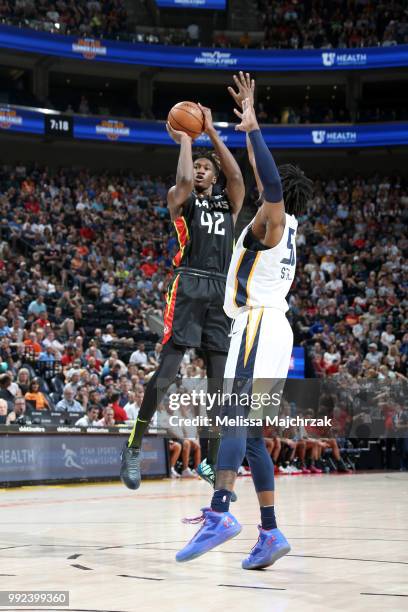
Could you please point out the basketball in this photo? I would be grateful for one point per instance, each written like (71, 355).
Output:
(187, 117)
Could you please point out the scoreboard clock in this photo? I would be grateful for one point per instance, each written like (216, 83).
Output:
(59, 125)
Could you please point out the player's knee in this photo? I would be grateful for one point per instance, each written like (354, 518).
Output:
(255, 448)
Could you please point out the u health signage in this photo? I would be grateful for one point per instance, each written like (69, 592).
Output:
(198, 58)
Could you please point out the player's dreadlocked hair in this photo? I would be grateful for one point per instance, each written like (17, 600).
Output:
(297, 189)
(204, 154)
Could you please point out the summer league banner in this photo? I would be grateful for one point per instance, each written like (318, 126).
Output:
(198, 58)
(192, 4)
(14, 119)
(25, 457)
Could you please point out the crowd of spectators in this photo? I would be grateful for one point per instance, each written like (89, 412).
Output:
(373, 115)
(323, 24)
(84, 264)
(349, 303)
(319, 112)
(288, 24)
(269, 112)
(82, 17)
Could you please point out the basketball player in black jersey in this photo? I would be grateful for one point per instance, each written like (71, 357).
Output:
(203, 215)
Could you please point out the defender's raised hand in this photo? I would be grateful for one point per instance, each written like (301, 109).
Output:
(248, 118)
(245, 86)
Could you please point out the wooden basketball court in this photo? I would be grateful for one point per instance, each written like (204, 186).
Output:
(114, 549)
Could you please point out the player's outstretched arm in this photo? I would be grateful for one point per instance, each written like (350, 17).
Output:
(229, 166)
(252, 161)
(179, 193)
(272, 212)
(245, 88)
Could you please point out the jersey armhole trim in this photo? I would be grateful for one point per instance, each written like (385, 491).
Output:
(271, 249)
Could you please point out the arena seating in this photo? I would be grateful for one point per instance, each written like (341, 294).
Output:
(286, 24)
(82, 17)
(94, 252)
(321, 24)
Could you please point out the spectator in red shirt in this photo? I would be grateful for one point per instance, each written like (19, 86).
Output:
(87, 233)
(42, 320)
(149, 267)
(68, 356)
(94, 364)
(32, 205)
(359, 243)
(148, 250)
(120, 413)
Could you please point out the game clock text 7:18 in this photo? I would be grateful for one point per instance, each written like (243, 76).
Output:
(58, 125)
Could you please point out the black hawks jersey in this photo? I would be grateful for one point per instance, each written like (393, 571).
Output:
(205, 233)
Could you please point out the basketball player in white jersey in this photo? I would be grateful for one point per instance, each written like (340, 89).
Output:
(259, 278)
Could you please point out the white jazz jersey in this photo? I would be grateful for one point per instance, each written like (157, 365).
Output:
(257, 285)
(261, 278)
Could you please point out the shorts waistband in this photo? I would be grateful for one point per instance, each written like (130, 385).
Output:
(201, 273)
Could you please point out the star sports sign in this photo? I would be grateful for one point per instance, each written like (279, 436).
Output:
(215, 58)
(333, 137)
(332, 58)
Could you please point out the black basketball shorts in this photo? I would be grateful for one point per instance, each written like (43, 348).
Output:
(194, 316)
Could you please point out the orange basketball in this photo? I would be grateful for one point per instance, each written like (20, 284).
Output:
(187, 117)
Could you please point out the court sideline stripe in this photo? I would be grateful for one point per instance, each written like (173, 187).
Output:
(348, 559)
(139, 577)
(243, 586)
(386, 594)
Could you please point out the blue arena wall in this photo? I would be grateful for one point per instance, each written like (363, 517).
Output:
(199, 58)
(15, 119)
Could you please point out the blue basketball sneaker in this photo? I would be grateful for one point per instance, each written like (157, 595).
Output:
(271, 546)
(217, 528)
